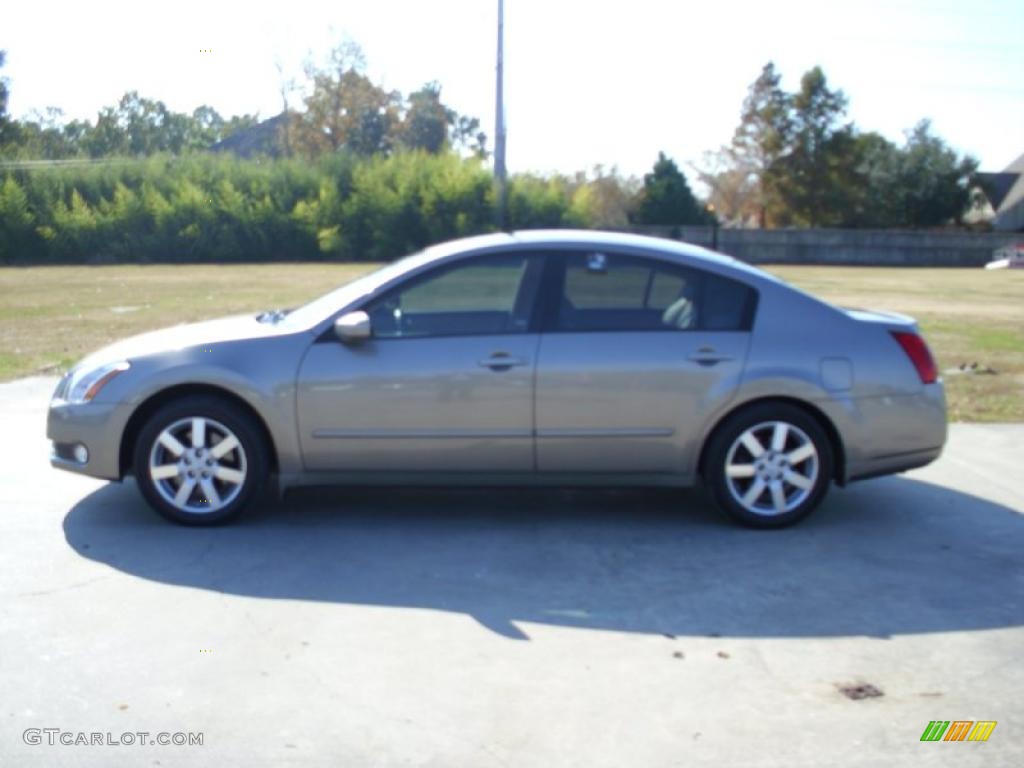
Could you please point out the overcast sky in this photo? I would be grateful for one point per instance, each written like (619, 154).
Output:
(587, 82)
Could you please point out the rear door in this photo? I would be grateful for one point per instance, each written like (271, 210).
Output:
(635, 353)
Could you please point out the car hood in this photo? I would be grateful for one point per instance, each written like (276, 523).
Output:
(234, 328)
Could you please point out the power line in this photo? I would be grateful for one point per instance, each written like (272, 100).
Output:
(29, 164)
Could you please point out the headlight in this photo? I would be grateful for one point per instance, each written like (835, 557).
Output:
(83, 386)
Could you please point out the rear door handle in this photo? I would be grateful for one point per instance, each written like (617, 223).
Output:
(501, 361)
(708, 356)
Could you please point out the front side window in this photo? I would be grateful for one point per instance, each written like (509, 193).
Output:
(608, 292)
(485, 295)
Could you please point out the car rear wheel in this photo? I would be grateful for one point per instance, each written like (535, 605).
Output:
(769, 466)
(200, 461)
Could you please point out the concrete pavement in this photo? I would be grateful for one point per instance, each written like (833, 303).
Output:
(525, 628)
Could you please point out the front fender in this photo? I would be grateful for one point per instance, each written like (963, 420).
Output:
(263, 379)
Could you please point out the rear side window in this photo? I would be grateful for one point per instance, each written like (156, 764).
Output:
(608, 292)
(728, 305)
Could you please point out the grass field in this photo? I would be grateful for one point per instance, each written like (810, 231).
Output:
(52, 316)
(967, 315)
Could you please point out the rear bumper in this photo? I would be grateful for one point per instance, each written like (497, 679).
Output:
(884, 435)
(888, 465)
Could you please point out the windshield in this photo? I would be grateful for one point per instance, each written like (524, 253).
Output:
(320, 309)
(323, 307)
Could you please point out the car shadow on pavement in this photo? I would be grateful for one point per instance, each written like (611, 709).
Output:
(890, 556)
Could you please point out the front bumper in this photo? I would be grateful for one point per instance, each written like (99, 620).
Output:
(97, 426)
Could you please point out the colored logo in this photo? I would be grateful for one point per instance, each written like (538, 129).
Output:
(958, 730)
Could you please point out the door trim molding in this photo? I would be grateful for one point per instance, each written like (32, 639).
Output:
(434, 434)
(622, 432)
(417, 434)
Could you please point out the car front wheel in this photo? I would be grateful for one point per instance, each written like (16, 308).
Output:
(769, 466)
(199, 461)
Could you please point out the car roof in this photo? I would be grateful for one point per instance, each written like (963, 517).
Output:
(586, 238)
(560, 239)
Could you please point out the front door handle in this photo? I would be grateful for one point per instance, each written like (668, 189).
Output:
(708, 356)
(501, 361)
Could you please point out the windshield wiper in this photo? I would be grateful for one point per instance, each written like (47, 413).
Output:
(272, 315)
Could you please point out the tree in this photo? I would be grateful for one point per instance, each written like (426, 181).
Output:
(142, 120)
(107, 137)
(135, 126)
(140, 127)
(286, 87)
(346, 109)
(924, 183)
(75, 132)
(738, 175)
(429, 124)
(933, 179)
(427, 121)
(761, 138)
(604, 201)
(811, 179)
(17, 233)
(43, 135)
(206, 127)
(237, 123)
(466, 135)
(795, 161)
(666, 198)
(875, 201)
(733, 189)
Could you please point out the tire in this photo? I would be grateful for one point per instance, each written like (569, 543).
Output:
(781, 485)
(206, 483)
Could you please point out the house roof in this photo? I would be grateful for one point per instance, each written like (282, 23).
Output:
(260, 139)
(996, 186)
(1005, 191)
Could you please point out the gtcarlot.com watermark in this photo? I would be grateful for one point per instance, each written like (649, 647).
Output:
(57, 736)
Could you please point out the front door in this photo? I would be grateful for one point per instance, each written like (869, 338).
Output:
(445, 383)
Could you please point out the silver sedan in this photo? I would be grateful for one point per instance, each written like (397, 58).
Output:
(570, 358)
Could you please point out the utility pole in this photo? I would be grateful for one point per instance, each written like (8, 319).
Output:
(500, 171)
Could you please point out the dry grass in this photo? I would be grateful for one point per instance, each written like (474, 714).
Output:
(51, 316)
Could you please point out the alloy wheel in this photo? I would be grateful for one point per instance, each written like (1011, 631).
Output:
(198, 465)
(771, 468)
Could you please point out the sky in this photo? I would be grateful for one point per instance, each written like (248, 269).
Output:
(587, 83)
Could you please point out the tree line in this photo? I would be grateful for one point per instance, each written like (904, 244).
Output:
(344, 110)
(206, 207)
(794, 160)
(354, 171)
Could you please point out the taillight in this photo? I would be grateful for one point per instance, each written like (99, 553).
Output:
(919, 355)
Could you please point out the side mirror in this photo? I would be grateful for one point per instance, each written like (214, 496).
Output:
(353, 327)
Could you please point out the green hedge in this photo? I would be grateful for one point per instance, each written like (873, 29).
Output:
(217, 208)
